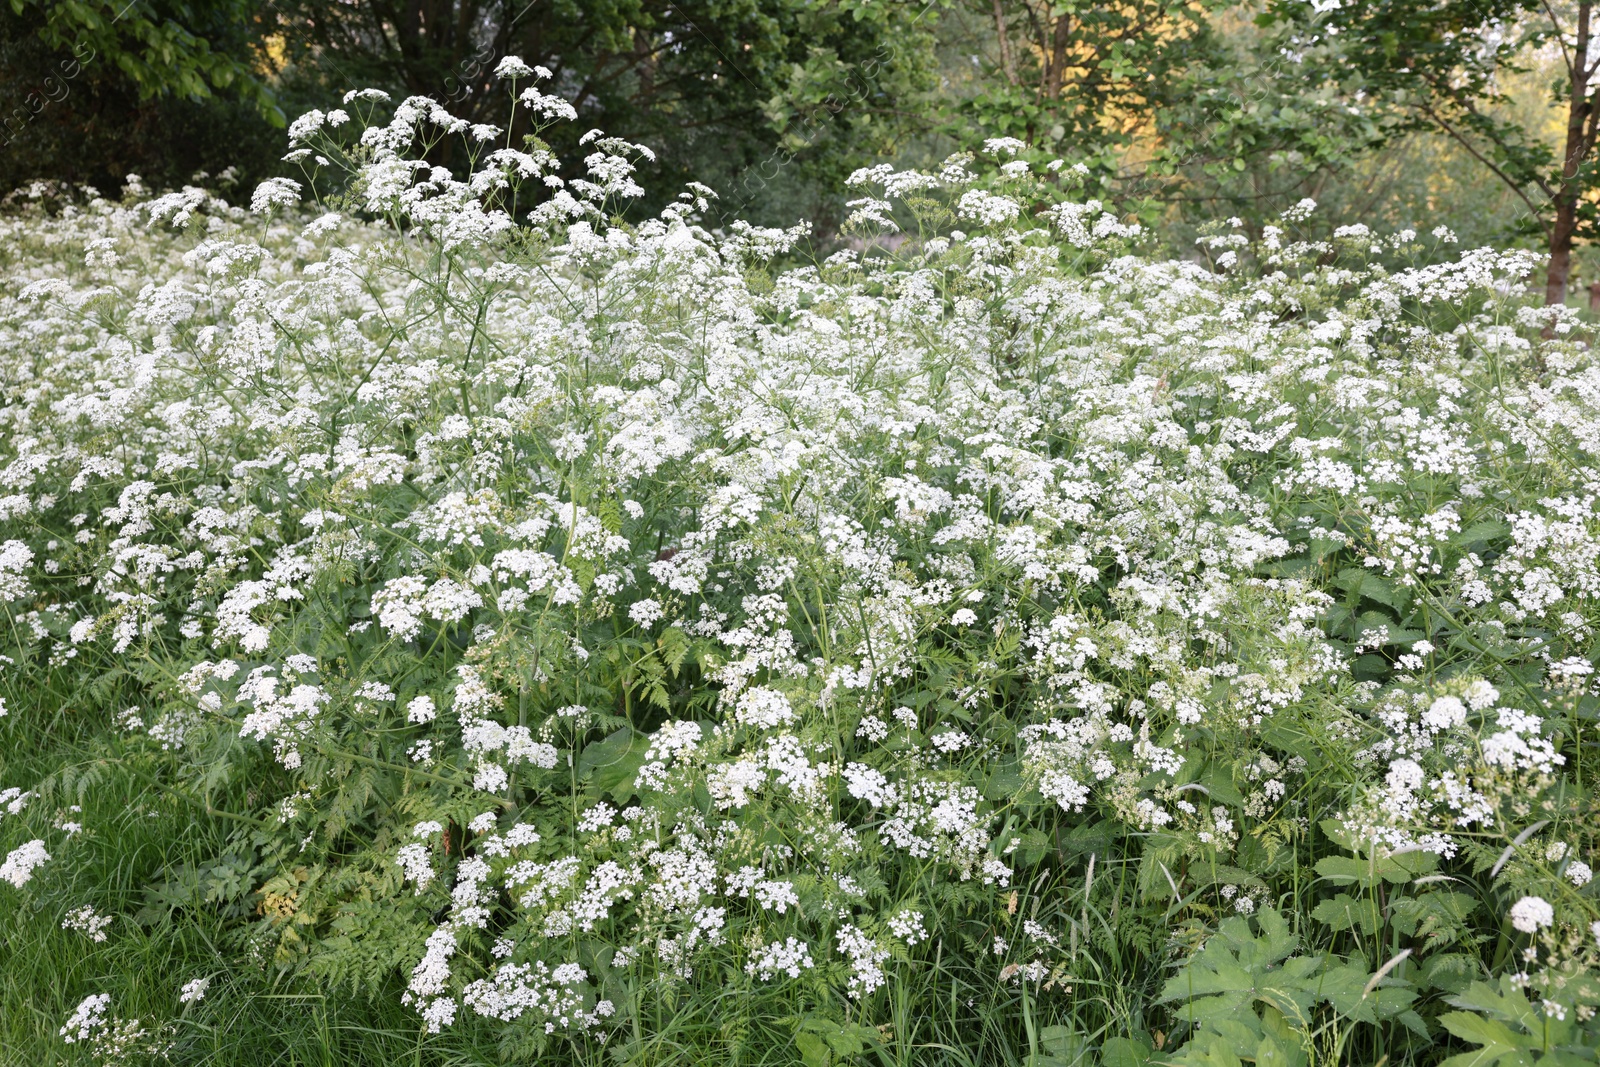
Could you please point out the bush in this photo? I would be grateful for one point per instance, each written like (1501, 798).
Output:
(73, 114)
(652, 650)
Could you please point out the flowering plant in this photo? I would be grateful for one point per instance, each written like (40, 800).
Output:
(582, 619)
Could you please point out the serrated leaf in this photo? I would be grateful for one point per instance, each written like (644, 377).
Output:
(1480, 533)
(1395, 869)
(610, 765)
(1065, 1045)
(613, 748)
(814, 1051)
(1035, 845)
(1270, 1054)
(1125, 1052)
(1493, 1035)
(1344, 912)
(1359, 582)
(1222, 874)
(1369, 667)
(1001, 785)
(1345, 870)
(1506, 1003)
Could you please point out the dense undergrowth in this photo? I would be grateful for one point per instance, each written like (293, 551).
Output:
(449, 625)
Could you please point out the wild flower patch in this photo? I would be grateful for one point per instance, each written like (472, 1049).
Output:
(1180, 660)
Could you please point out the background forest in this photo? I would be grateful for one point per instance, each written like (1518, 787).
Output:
(1392, 114)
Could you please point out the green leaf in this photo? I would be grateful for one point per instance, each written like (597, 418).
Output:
(1034, 847)
(1223, 874)
(1507, 1003)
(1369, 668)
(609, 766)
(1480, 533)
(1125, 1052)
(1360, 582)
(1344, 912)
(1395, 869)
(1001, 785)
(1219, 780)
(1268, 1054)
(1065, 1045)
(606, 752)
(674, 645)
(1495, 1037)
(1450, 972)
(814, 1051)
(849, 1039)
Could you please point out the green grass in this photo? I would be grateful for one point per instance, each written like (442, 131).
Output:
(250, 1017)
(138, 834)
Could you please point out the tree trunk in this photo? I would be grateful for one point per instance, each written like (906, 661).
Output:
(1055, 67)
(1005, 43)
(1566, 221)
(1555, 286)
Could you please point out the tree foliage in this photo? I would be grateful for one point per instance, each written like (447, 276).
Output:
(762, 99)
(1427, 66)
(1169, 102)
(191, 49)
(733, 92)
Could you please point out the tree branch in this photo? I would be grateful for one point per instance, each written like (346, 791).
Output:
(1566, 56)
(1005, 44)
(1481, 158)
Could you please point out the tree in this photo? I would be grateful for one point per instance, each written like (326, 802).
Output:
(722, 89)
(194, 50)
(1084, 72)
(1173, 104)
(1426, 65)
(750, 96)
(97, 89)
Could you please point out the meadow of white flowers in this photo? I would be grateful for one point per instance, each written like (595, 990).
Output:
(1012, 650)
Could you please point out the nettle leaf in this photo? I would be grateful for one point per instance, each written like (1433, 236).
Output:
(1320, 548)
(1219, 780)
(1480, 535)
(1343, 621)
(1223, 874)
(1002, 784)
(1370, 668)
(1034, 847)
(823, 1041)
(814, 1051)
(1064, 1046)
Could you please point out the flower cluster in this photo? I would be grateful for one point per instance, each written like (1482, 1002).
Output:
(600, 608)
